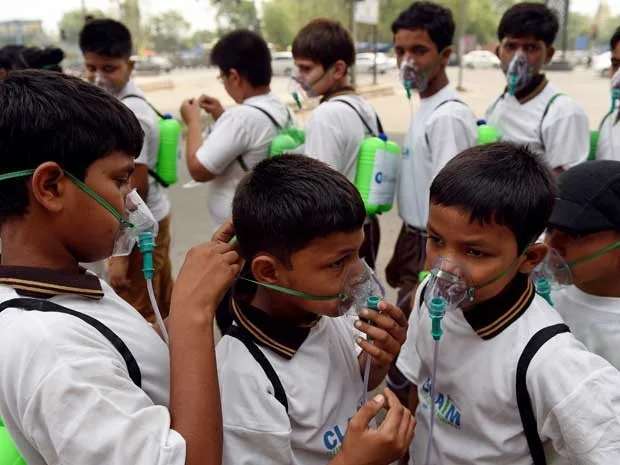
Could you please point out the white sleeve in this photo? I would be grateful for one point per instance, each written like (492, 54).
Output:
(576, 399)
(81, 407)
(256, 426)
(449, 135)
(148, 122)
(325, 141)
(228, 140)
(408, 362)
(566, 134)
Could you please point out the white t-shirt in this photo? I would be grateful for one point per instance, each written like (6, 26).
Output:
(573, 391)
(157, 199)
(65, 393)
(323, 387)
(608, 147)
(438, 131)
(240, 131)
(565, 138)
(593, 320)
(335, 132)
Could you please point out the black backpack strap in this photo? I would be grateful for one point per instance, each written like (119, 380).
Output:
(48, 306)
(549, 103)
(267, 114)
(366, 125)
(140, 97)
(278, 390)
(524, 403)
(428, 142)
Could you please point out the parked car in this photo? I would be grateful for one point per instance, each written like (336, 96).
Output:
(481, 59)
(365, 63)
(601, 64)
(152, 65)
(282, 63)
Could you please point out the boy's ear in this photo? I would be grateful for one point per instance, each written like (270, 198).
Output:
(49, 186)
(339, 69)
(265, 268)
(535, 254)
(550, 53)
(131, 65)
(445, 56)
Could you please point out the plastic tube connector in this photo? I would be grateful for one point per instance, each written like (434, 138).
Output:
(543, 289)
(373, 302)
(512, 83)
(437, 310)
(146, 244)
(615, 96)
(383, 136)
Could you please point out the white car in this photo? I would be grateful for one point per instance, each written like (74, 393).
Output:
(365, 63)
(601, 64)
(282, 63)
(481, 59)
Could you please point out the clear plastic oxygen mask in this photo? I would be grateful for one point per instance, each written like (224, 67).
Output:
(552, 274)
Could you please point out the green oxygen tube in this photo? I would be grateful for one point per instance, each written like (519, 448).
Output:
(169, 133)
(9, 455)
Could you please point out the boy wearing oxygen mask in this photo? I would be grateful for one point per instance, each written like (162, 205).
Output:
(530, 110)
(584, 229)
(289, 370)
(107, 45)
(324, 54)
(442, 127)
(608, 146)
(85, 380)
(499, 377)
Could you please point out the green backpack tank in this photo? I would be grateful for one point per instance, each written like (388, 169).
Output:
(9, 455)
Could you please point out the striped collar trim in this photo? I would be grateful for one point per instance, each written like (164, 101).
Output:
(281, 337)
(490, 318)
(45, 282)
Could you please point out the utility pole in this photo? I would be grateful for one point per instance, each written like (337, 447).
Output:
(352, 29)
(461, 39)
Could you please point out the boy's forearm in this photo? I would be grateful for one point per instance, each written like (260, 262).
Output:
(194, 390)
(194, 141)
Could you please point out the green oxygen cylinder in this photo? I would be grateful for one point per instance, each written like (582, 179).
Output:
(594, 137)
(487, 134)
(287, 141)
(377, 170)
(169, 133)
(9, 455)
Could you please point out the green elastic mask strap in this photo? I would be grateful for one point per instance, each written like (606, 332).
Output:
(587, 258)
(294, 293)
(104, 203)
(499, 275)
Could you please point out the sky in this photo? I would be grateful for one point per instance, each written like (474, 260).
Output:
(199, 13)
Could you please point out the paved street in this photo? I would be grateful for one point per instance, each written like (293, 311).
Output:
(191, 222)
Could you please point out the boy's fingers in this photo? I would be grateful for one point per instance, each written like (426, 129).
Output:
(410, 430)
(380, 356)
(385, 322)
(225, 232)
(392, 421)
(366, 413)
(380, 337)
(404, 425)
(396, 313)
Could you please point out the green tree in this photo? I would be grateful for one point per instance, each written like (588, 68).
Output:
(236, 14)
(130, 16)
(166, 31)
(278, 23)
(72, 22)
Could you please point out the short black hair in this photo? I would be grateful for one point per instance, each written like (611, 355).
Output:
(246, 52)
(324, 41)
(435, 19)
(529, 19)
(615, 38)
(47, 116)
(290, 200)
(44, 58)
(502, 183)
(106, 37)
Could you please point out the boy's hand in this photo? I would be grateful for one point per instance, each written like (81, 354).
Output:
(118, 269)
(190, 111)
(206, 275)
(388, 330)
(382, 446)
(211, 105)
(224, 233)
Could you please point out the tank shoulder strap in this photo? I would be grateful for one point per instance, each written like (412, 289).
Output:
(267, 114)
(140, 97)
(366, 125)
(278, 390)
(441, 104)
(524, 403)
(553, 98)
(40, 305)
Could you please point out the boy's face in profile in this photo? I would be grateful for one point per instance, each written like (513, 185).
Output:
(417, 45)
(320, 269)
(110, 72)
(484, 250)
(576, 246)
(536, 51)
(615, 59)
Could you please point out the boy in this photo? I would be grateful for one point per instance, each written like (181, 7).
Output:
(93, 385)
(538, 115)
(585, 230)
(442, 127)
(106, 45)
(289, 371)
(324, 54)
(487, 207)
(608, 147)
(241, 135)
